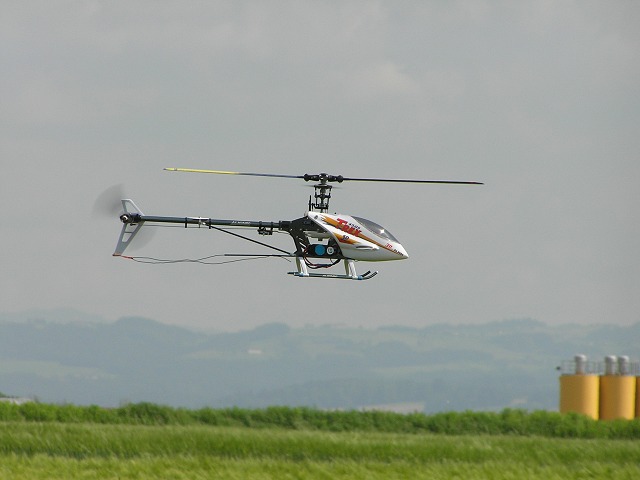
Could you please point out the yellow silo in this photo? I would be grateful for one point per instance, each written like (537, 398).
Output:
(617, 390)
(637, 397)
(579, 391)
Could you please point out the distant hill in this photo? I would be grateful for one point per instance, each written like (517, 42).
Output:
(56, 315)
(439, 367)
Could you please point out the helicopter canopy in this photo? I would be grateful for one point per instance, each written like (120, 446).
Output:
(375, 228)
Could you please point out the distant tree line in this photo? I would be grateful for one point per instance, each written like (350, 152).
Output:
(506, 422)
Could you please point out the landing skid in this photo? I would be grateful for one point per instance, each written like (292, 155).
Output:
(365, 276)
(349, 267)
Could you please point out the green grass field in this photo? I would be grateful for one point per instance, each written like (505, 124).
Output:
(146, 441)
(63, 451)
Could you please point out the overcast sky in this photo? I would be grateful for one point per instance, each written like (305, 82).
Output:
(539, 100)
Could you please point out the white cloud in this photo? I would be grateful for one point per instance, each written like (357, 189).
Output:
(382, 79)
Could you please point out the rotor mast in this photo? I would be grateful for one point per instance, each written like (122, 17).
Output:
(322, 193)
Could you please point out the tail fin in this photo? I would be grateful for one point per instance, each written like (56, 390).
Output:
(129, 228)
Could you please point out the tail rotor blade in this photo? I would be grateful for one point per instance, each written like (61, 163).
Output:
(109, 202)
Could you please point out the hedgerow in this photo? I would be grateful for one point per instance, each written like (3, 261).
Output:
(506, 422)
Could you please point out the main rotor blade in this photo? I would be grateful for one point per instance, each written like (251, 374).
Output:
(222, 172)
(323, 177)
(397, 180)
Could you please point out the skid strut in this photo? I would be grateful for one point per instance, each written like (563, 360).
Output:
(349, 267)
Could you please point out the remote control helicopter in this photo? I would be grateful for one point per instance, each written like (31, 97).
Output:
(321, 240)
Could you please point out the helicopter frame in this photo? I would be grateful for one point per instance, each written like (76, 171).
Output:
(300, 230)
(317, 236)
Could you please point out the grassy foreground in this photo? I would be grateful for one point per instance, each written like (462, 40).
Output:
(147, 441)
(63, 451)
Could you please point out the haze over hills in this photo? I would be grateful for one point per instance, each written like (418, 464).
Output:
(440, 367)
